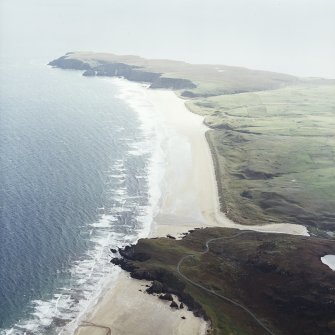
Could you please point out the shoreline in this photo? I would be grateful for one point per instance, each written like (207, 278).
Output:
(189, 198)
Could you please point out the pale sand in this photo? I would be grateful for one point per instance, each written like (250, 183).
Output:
(126, 310)
(189, 199)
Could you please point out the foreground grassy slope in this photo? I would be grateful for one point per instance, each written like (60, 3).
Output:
(275, 154)
(280, 278)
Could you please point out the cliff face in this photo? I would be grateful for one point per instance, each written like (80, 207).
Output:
(130, 72)
(69, 63)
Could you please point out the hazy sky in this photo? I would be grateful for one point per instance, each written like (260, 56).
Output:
(293, 36)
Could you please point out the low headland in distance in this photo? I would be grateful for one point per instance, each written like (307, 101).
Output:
(272, 139)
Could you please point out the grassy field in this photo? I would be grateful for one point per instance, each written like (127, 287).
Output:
(275, 154)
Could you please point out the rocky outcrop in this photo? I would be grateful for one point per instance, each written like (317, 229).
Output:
(164, 282)
(156, 287)
(166, 296)
(70, 63)
(122, 70)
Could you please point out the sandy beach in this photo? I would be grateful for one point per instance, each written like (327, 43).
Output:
(189, 198)
(329, 260)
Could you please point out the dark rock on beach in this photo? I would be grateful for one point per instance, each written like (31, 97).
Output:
(70, 63)
(156, 287)
(166, 296)
(116, 261)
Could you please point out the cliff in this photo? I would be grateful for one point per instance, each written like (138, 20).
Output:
(117, 69)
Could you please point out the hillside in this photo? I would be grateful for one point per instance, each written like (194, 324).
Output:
(275, 154)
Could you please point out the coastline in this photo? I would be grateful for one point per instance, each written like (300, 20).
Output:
(175, 212)
(188, 199)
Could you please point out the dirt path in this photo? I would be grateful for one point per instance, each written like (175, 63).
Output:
(260, 323)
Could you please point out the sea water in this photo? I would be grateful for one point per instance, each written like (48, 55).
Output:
(80, 162)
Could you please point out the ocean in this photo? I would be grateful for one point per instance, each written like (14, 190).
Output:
(80, 168)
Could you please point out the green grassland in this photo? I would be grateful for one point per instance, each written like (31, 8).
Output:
(274, 153)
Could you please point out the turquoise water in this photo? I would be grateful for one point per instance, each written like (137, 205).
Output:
(74, 172)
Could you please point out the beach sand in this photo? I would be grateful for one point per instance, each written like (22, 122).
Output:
(190, 196)
(126, 310)
(189, 199)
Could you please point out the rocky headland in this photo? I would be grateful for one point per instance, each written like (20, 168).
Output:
(127, 71)
(240, 278)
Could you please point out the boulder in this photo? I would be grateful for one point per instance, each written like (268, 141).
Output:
(174, 305)
(156, 287)
(166, 296)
